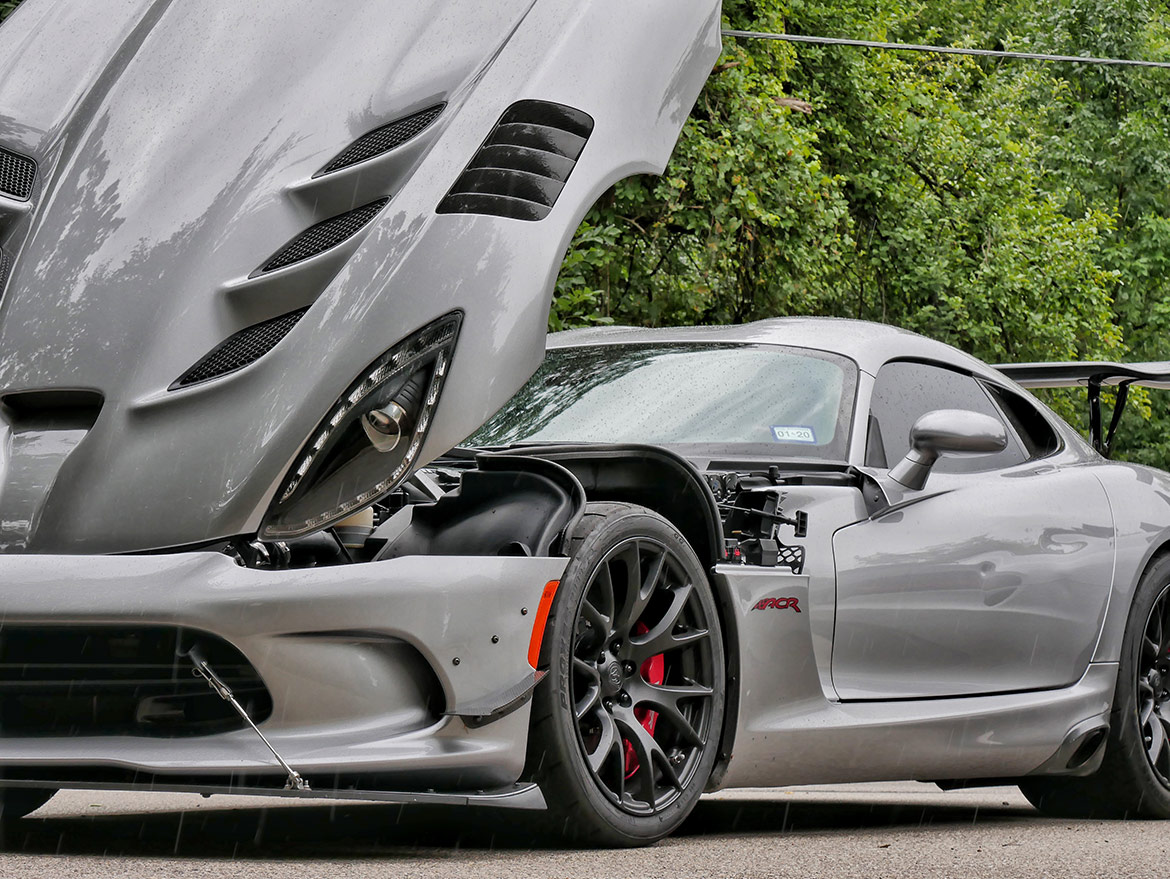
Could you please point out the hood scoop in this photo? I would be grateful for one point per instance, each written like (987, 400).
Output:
(522, 167)
(17, 174)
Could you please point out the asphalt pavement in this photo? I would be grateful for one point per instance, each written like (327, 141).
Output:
(874, 830)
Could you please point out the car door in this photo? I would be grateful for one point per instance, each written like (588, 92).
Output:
(993, 578)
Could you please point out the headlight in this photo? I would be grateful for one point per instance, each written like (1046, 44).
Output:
(367, 443)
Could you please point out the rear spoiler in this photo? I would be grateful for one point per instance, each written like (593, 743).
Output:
(1094, 376)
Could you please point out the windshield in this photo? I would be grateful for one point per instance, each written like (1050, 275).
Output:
(710, 399)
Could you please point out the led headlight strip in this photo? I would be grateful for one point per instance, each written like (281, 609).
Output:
(429, 348)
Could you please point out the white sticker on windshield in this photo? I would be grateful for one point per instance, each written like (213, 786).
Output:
(793, 433)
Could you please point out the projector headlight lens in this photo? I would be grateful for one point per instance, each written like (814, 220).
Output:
(371, 437)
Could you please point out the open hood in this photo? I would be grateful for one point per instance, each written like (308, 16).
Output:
(223, 225)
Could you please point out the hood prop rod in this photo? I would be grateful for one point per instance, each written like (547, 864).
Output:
(202, 669)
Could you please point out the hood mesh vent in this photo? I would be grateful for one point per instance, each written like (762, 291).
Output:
(522, 167)
(16, 175)
(323, 236)
(5, 267)
(384, 139)
(246, 346)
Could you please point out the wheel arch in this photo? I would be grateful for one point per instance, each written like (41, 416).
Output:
(668, 484)
(1125, 586)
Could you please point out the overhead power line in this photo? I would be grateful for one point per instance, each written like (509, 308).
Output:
(943, 50)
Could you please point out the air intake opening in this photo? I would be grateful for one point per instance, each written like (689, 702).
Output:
(382, 140)
(119, 680)
(17, 174)
(53, 409)
(1088, 748)
(522, 167)
(5, 268)
(317, 239)
(246, 346)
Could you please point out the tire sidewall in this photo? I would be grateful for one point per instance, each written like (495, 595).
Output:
(1156, 796)
(558, 643)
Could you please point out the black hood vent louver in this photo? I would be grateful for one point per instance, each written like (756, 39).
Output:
(522, 167)
(382, 140)
(246, 346)
(317, 239)
(5, 267)
(17, 174)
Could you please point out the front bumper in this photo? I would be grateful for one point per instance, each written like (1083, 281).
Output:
(339, 650)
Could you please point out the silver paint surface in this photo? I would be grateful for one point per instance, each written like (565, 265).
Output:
(177, 145)
(327, 642)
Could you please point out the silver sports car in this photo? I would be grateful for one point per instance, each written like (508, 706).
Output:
(265, 266)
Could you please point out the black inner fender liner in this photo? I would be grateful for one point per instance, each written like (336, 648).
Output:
(650, 476)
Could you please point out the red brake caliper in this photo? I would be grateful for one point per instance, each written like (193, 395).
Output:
(653, 672)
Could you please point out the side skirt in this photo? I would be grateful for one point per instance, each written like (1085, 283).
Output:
(517, 796)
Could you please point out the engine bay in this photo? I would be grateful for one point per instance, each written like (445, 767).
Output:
(523, 502)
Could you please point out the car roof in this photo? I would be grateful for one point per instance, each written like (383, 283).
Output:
(868, 344)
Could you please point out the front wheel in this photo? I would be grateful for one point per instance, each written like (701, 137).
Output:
(1134, 778)
(625, 729)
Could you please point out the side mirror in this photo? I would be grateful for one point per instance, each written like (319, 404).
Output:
(947, 432)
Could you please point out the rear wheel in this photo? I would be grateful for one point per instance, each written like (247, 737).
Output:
(16, 802)
(625, 730)
(1134, 778)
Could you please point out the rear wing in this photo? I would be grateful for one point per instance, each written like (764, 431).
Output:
(1094, 376)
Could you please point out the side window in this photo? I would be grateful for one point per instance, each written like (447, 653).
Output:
(1036, 433)
(904, 391)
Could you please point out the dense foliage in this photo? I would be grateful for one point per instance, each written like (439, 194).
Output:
(1015, 209)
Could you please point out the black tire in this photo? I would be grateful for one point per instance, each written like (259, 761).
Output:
(1130, 782)
(587, 748)
(16, 802)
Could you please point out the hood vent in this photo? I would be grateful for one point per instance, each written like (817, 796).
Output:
(522, 167)
(246, 346)
(5, 267)
(16, 175)
(382, 140)
(323, 236)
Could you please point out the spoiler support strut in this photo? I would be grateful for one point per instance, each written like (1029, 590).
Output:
(1103, 443)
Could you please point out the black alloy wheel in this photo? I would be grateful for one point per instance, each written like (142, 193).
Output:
(626, 729)
(1152, 699)
(641, 732)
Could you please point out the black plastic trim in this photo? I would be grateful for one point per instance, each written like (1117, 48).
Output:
(522, 167)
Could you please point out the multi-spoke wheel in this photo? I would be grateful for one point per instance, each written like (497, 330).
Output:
(1153, 688)
(626, 729)
(1133, 780)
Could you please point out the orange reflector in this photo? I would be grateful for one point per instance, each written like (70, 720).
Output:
(546, 600)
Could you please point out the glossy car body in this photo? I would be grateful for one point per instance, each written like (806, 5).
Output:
(968, 630)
